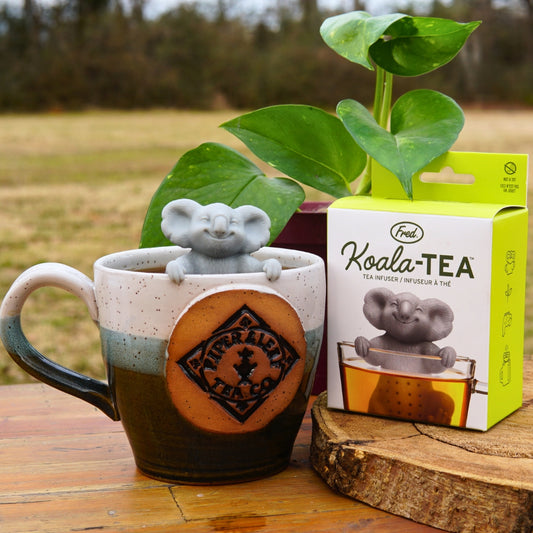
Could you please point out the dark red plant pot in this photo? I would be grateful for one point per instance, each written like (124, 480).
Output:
(307, 231)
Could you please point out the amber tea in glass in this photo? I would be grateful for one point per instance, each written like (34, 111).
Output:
(433, 398)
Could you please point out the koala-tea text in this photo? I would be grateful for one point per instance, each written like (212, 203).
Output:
(431, 264)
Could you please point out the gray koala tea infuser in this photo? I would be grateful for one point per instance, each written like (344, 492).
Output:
(210, 346)
(411, 325)
(221, 239)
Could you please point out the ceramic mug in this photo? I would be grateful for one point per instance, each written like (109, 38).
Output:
(210, 377)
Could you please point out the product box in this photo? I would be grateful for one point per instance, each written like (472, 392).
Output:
(426, 296)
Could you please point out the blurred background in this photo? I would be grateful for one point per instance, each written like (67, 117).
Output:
(212, 54)
(100, 98)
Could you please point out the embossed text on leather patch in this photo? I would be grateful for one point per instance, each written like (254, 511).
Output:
(246, 362)
(241, 363)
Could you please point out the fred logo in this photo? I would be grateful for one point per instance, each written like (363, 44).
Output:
(407, 232)
(241, 371)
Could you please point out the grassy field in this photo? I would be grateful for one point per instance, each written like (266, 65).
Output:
(74, 187)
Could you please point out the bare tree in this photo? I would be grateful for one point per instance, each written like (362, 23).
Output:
(310, 14)
(31, 23)
(137, 9)
(529, 6)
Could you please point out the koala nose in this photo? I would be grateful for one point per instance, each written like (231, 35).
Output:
(219, 226)
(405, 310)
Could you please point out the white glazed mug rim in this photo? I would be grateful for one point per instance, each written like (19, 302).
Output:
(128, 260)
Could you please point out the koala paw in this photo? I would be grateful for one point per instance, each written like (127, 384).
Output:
(447, 356)
(272, 268)
(362, 345)
(175, 271)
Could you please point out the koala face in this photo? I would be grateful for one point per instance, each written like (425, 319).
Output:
(407, 318)
(217, 231)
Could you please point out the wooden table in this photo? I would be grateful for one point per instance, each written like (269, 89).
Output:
(64, 466)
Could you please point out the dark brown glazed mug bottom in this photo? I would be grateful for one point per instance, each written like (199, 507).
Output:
(169, 448)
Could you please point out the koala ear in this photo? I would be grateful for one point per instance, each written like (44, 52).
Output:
(375, 302)
(176, 222)
(256, 227)
(440, 318)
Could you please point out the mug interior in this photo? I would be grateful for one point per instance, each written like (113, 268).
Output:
(154, 260)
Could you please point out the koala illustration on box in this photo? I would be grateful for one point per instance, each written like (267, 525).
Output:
(411, 325)
(221, 239)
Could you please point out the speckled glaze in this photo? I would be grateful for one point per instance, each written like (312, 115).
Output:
(139, 309)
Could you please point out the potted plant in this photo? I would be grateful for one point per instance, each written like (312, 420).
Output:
(325, 152)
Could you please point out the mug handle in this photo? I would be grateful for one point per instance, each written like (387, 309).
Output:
(93, 391)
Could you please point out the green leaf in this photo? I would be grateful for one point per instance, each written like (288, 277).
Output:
(304, 142)
(215, 173)
(424, 125)
(418, 45)
(352, 34)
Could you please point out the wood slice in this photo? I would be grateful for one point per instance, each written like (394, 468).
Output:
(453, 479)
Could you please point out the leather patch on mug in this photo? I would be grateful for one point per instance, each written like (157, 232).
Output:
(235, 360)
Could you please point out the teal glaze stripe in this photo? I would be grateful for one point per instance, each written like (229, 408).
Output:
(148, 355)
(12, 336)
(131, 352)
(134, 352)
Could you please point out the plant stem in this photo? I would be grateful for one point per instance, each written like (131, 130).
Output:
(378, 93)
(381, 112)
(365, 184)
(386, 101)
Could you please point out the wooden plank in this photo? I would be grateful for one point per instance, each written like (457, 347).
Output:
(46, 425)
(20, 480)
(293, 500)
(61, 449)
(361, 518)
(424, 473)
(39, 410)
(37, 399)
(108, 510)
(300, 491)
